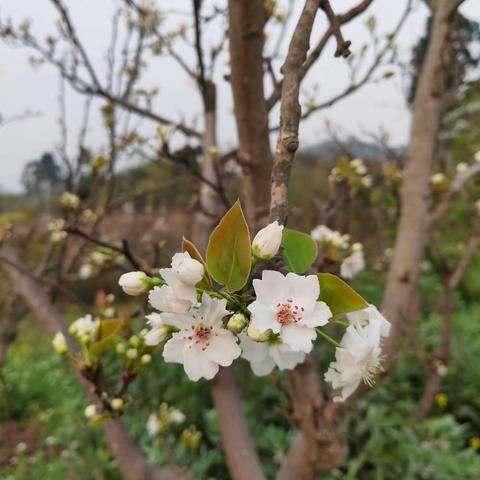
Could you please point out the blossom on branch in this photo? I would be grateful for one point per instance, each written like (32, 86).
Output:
(288, 305)
(202, 345)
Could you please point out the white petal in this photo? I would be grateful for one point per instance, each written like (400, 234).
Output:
(285, 358)
(223, 348)
(298, 338)
(320, 315)
(178, 320)
(155, 336)
(212, 310)
(197, 365)
(263, 367)
(251, 350)
(263, 318)
(271, 289)
(173, 349)
(164, 299)
(304, 291)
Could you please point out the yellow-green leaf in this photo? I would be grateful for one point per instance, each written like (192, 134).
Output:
(107, 334)
(340, 297)
(229, 250)
(192, 250)
(299, 250)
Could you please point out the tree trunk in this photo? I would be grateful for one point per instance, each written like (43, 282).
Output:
(413, 230)
(131, 461)
(246, 21)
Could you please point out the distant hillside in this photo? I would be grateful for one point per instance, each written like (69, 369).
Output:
(330, 150)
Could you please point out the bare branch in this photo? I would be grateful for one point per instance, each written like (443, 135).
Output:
(343, 46)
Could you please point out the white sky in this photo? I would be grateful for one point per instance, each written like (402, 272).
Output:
(22, 88)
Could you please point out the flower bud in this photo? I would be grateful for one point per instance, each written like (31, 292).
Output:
(146, 359)
(189, 270)
(237, 322)
(132, 353)
(59, 343)
(267, 241)
(117, 404)
(90, 411)
(134, 283)
(357, 247)
(257, 335)
(120, 348)
(134, 341)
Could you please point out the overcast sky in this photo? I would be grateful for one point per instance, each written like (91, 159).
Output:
(21, 87)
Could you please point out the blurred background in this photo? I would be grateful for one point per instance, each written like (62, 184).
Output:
(102, 164)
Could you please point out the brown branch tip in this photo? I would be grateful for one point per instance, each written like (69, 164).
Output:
(343, 46)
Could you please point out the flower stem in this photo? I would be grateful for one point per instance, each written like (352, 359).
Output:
(328, 338)
(342, 323)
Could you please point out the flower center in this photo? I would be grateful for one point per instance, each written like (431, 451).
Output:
(371, 370)
(288, 313)
(199, 334)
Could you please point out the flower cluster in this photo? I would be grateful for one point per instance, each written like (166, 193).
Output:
(355, 172)
(98, 260)
(205, 314)
(336, 248)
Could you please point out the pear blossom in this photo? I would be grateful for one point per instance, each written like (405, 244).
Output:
(134, 283)
(367, 181)
(90, 411)
(263, 357)
(358, 165)
(84, 327)
(185, 269)
(437, 178)
(202, 345)
(476, 157)
(373, 323)
(267, 241)
(323, 234)
(461, 167)
(360, 356)
(353, 264)
(176, 416)
(287, 305)
(179, 294)
(159, 330)
(153, 425)
(164, 298)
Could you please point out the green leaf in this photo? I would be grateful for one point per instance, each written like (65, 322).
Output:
(229, 250)
(339, 296)
(107, 336)
(192, 250)
(299, 250)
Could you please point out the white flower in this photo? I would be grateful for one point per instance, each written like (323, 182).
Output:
(367, 181)
(134, 283)
(153, 425)
(186, 269)
(263, 357)
(69, 200)
(358, 166)
(462, 167)
(164, 299)
(176, 416)
(202, 344)
(288, 305)
(185, 273)
(85, 271)
(90, 411)
(59, 343)
(267, 241)
(476, 157)
(352, 264)
(159, 331)
(371, 321)
(84, 327)
(437, 178)
(323, 234)
(360, 358)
